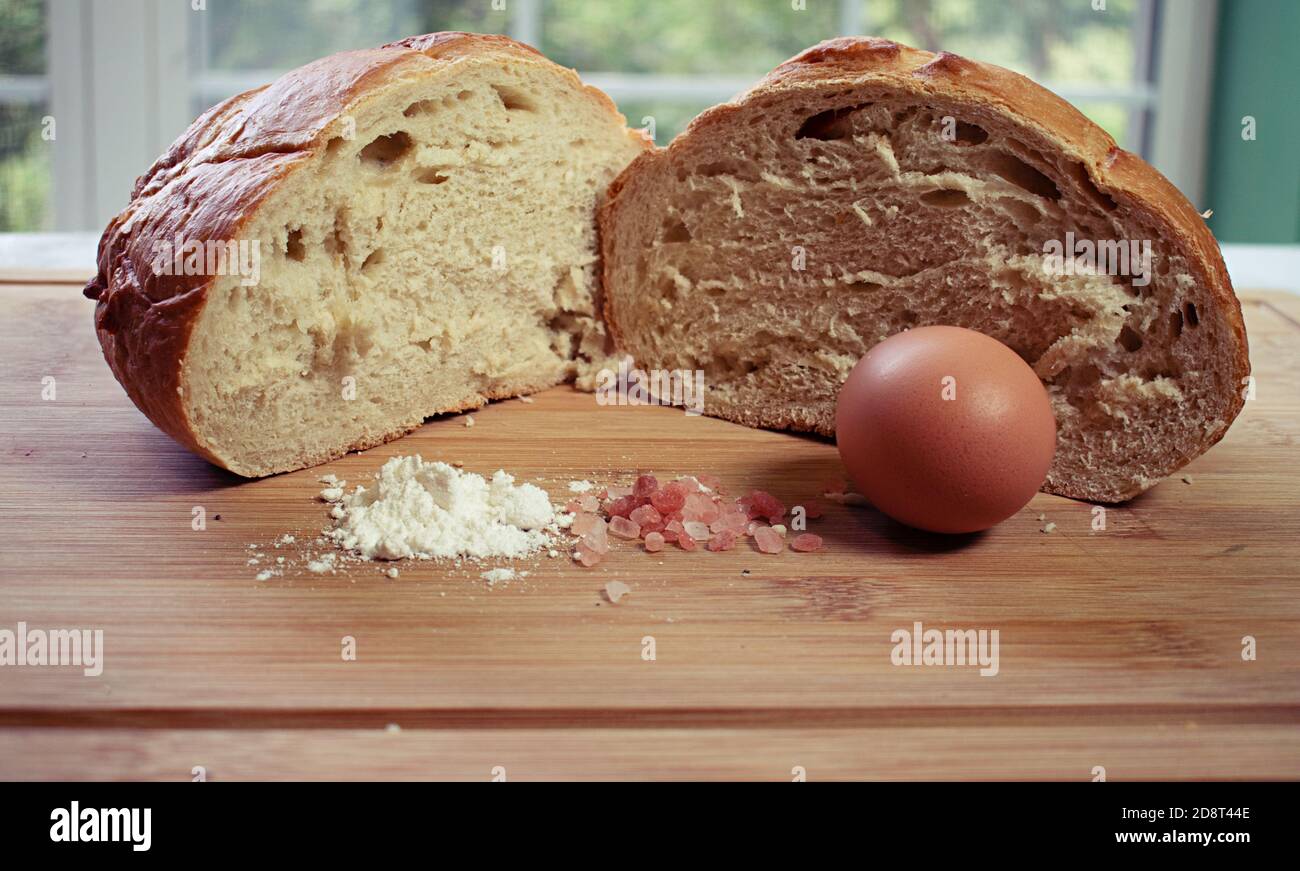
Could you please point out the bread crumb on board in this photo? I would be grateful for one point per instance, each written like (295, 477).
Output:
(616, 590)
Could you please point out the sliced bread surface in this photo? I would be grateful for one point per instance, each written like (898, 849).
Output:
(419, 236)
(864, 188)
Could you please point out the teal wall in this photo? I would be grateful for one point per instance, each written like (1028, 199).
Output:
(1254, 187)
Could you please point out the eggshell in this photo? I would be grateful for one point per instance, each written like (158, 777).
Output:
(945, 429)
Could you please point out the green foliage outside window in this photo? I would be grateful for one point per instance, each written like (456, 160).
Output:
(1064, 41)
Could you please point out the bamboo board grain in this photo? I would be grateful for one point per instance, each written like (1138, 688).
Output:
(1123, 644)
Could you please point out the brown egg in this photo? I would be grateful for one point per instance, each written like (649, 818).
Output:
(945, 429)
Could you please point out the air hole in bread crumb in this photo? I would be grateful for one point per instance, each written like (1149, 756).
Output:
(374, 258)
(945, 198)
(514, 99)
(829, 125)
(421, 107)
(676, 232)
(430, 176)
(729, 364)
(334, 145)
(1189, 312)
(1094, 193)
(1023, 213)
(337, 241)
(715, 169)
(1176, 324)
(970, 134)
(1021, 174)
(384, 151)
(1129, 339)
(294, 249)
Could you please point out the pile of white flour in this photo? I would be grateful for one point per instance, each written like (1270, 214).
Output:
(436, 511)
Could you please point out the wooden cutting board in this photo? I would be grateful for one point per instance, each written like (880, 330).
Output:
(1119, 649)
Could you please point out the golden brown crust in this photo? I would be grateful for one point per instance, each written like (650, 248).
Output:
(857, 61)
(208, 186)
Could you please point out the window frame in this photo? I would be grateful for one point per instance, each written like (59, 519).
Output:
(117, 109)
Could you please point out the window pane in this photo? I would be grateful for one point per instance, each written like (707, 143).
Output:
(242, 43)
(1056, 40)
(22, 38)
(254, 34)
(682, 36)
(670, 116)
(24, 168)
(24, 153)
(1111, 117)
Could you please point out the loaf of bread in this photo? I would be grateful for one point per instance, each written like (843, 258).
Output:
(865, 187)
(318, 265)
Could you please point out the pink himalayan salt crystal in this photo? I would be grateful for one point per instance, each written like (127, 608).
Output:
(685, 542)
(673, 529)
(812, 510)
(724, 540)
(617, 492)
(700, 507)
(732, 521)
(573, 507)
(644, 486)
(621, 527)
(806, 543)
(689, 483)
(669, 499)
(710, 481)
(589, 503)
(584, 523)
(654, 542)
(622, 506)
(768, 540)
(586, 556)
(647, 518)
(597, 539)
(696, 530)
(764, 504)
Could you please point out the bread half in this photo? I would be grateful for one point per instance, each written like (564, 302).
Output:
(865, 187)
(408, 230)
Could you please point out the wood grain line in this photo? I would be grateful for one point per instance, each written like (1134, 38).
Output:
(653, 718)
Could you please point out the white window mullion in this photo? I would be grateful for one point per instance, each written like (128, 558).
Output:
(170, 60)
(118, 94)
(852, 21)
(73, 163)
(526, 22)
(1184, 82)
